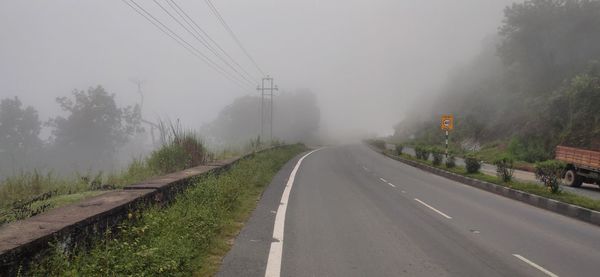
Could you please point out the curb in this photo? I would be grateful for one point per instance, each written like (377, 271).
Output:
(569, 210)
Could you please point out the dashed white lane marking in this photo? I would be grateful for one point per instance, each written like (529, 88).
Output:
(433, 209)
(538, 267)
(403, 191)
(383, 180)
(391, 185)
(276, 251)
(366, 169)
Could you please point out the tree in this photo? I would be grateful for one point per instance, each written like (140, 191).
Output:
(573, 112)
(296, 118)
(94, 126)
(19, 131)
(548, 41)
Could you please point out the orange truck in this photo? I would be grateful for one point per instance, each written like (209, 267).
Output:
(583, 166)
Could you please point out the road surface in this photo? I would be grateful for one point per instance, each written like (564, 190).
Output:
(354, 212)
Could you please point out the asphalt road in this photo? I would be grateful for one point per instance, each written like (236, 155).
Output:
(354, 212)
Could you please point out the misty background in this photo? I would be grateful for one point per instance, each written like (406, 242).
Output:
(363, 64)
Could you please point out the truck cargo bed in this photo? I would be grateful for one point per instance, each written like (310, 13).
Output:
(579, 157)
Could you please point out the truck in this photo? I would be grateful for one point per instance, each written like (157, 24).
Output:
(582, 165)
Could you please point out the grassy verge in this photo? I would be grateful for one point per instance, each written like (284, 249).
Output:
(535, 189)
(31, 193)
(190, 237)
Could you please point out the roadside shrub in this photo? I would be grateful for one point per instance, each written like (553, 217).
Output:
(437, 155)
(450, 161)
(422, 152)
(377, 143)
(504, 168)
(550, 173)
(472, 163)
(169, 158)
(183, 151)
(399, 148)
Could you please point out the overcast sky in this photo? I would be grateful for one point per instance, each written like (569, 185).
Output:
(367, 60)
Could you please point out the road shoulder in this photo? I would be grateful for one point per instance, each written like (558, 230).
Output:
(249, 254)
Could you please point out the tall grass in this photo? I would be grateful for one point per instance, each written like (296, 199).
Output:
(30, 193)
(185, 237)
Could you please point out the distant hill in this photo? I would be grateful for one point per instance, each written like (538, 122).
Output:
(536, 84)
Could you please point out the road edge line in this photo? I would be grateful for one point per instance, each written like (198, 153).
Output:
(276, 250)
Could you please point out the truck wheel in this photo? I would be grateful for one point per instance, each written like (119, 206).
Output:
(572, 179)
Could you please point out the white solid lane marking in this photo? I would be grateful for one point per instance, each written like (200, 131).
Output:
(392, 185)
(535, 265)
(432, 208)
(276, 251)
(383, 180)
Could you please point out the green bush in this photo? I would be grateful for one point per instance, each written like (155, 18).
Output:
(168, 158)
(399, 148)
(438, 156)
(550, 173)
(530, 149)
(504, 168)
(377, 143)
(182, 152)
(450, 161)
(472, 163)
(422, 152)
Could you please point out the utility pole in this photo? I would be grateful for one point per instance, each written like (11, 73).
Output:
(152, 125)
(267, 89)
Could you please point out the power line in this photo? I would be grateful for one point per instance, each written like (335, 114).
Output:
(182, 42)
(199, 30)
(203, 42)
(226, 26)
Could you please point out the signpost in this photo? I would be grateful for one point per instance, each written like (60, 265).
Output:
(447, 124)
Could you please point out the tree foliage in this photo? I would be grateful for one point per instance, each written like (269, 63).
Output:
(534, 86)
(296, 119)
(19, 126)
(19, 133)
(94, 126)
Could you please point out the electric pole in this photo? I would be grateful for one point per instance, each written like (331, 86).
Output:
(267, 89)
(152, 125)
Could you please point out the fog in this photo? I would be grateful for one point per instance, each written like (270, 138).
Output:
(367, 62)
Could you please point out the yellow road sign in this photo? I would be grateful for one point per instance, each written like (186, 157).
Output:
(447, 122)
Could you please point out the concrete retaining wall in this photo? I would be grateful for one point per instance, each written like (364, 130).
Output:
(77, 224)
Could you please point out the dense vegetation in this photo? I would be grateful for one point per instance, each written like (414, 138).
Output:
(535, 85)
(31, 193)
(181, 239)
